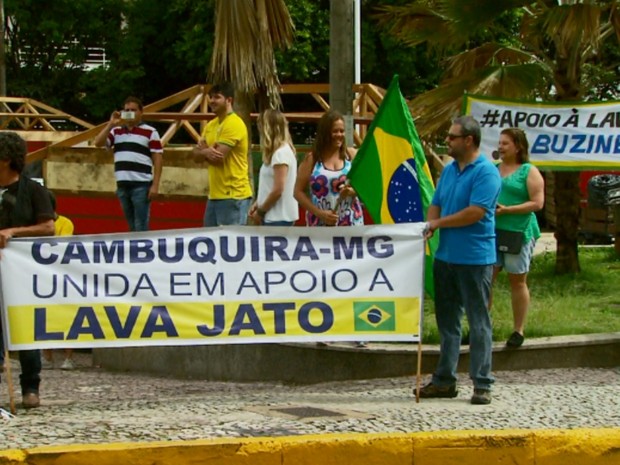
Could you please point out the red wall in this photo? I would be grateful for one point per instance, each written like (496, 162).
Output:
(95, 215)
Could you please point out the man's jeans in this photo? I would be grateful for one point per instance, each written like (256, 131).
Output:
(227, 212)
(136, 205)
(458, 289)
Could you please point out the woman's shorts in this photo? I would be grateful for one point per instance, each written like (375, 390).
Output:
(518, 263)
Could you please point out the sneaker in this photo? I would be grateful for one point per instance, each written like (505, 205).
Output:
(481, 397)
(46, 364)
(515, 340)
(67, 365)
(31, 400)
(433, 391)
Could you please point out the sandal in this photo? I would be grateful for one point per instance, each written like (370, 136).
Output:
(515, 340)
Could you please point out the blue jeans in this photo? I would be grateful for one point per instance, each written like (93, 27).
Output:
(463, 289)
(136, 205)
(227, 212)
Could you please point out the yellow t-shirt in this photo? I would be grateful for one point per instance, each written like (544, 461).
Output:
(229, 180)
(63, 226)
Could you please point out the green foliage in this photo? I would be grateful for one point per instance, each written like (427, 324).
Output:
(104, 90)
(308, 58)
(47, 47)
(165, 49)
(582, 303)
(383, 56)
(195, 26)
(600, 74)
(153, 48)
(157, 47)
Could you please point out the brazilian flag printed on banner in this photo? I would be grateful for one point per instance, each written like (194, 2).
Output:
(374, 316)
(390, 173)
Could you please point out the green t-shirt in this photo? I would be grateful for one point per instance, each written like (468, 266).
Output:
(514, 192)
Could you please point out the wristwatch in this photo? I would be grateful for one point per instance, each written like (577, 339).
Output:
(261, 212)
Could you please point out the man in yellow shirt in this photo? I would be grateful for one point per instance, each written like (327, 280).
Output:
(224, 147)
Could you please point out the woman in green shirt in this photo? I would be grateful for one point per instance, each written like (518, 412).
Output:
(522, 194)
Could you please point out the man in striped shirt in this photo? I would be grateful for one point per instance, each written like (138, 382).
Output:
(137, 161)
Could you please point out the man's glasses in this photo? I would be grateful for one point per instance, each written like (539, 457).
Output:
(456, 136)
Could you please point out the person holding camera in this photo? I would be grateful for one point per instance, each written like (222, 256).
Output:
(137, 161)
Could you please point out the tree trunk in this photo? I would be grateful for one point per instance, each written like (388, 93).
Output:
(341, 56)
(567, 203)
(567, 194)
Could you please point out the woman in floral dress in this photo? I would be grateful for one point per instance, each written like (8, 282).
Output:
(323, 174)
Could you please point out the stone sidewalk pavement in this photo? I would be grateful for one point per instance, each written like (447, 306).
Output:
(90, 405)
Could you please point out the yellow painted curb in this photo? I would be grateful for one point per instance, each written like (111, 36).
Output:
(520, 447)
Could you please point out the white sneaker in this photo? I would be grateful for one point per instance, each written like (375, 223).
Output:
(46, 364)
(67, 365)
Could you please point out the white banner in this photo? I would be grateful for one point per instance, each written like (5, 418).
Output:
(567, 135)
(214, 286)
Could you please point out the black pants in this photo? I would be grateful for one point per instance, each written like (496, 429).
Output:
(30, 361)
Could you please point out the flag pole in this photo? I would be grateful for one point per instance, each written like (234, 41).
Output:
(9, 382)
(419, 372)
(418, 377)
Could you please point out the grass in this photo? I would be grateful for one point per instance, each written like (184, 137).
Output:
(583, 303)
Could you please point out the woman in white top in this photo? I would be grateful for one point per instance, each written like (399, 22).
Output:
(275, 203)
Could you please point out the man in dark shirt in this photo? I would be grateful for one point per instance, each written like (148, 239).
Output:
(25, 211)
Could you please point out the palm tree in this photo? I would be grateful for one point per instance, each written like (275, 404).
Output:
(544, 60)
(246, 34)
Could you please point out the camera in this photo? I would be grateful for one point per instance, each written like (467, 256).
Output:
(128, 115)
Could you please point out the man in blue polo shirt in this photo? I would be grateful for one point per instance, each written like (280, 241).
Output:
(463, 209)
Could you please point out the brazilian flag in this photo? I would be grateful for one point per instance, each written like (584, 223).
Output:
(374, 316)
(390, 173)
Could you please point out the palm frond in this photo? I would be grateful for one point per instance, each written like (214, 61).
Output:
(434, 110)
(278, 21)
(489, 54)
(614, 18)
(557, 38)
(469, 17)
(233, 50)
(522, 81)
(567, 34)
(573, 26)
(417, 23)
(441, 23)
(246, 33)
